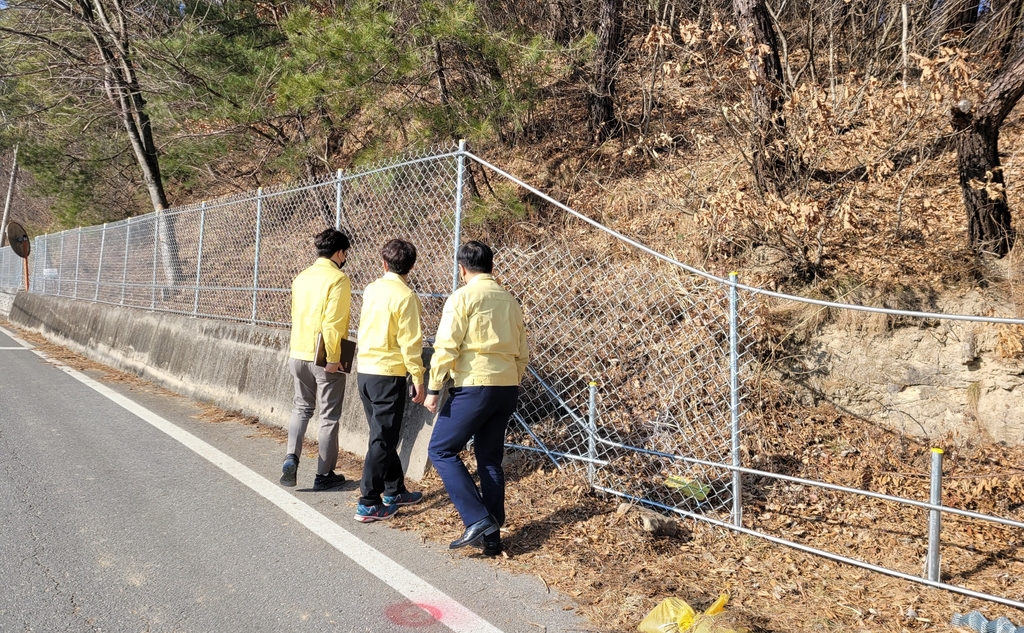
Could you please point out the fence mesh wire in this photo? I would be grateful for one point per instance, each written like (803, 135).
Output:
(234, 257)
(654, 340)
(632, 356)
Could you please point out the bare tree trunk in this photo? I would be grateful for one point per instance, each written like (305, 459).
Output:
(1005, 26)
(442, 88)
(981, 180)
(904, 54)
(603, 123)
(989, 227)
(442, 81)
(109, 32)
(962, 16)
(9, 198)
(772, 163)
(558, 26)
(564, 20)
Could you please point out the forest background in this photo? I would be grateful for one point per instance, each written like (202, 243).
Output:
(836, 143)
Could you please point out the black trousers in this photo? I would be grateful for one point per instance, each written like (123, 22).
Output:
(384, 404)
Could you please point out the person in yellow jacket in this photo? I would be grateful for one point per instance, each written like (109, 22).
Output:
(481, 344)
(321, 302)
(390, 347)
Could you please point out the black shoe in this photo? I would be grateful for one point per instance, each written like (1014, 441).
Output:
(492, 544)
(475, 532)
(290, 470)
(328, 481)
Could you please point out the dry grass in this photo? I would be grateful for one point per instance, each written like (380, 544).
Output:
(584, 546)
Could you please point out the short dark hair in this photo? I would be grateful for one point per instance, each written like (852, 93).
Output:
(330, 241)
(476, 257)
(399, 255)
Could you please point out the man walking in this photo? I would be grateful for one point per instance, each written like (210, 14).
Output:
(321, 300)
(390, 346)
(481, 343)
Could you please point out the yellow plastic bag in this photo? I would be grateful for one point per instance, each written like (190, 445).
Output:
(674, 615)
(670, 616)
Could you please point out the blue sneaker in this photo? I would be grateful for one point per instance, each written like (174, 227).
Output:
(366, 514)
(403, 499)
(289, 470)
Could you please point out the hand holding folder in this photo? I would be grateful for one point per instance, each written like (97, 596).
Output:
(348, 353)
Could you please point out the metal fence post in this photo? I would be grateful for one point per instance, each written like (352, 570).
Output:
(734, 405)
(199, 255)
(99, 264)
(78, 260)
(46, 258)
(60, 266)
(256, 257)
(592, 433)
(156, 247)
(37, 276)
(124, 268)
(935, 516)
(461, 162)
(337, 202)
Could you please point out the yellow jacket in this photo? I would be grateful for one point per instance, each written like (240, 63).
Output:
(481, 339)
(321, 300)
(390, 337)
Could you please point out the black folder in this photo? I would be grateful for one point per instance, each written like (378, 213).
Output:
(348, 353)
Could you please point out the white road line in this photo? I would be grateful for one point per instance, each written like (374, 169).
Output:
(13, 348)
(452, 614)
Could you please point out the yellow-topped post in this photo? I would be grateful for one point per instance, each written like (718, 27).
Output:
(935, 516)
(592, 434)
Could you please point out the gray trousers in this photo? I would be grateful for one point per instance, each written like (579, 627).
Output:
(312, 385)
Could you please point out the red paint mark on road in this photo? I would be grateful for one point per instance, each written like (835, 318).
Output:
(412, 615)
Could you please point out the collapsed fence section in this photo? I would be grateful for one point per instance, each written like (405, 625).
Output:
(666, 432)
(630, 367)
(643, 371)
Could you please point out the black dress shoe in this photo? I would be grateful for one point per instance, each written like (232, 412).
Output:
(492, 544)
(475, 532)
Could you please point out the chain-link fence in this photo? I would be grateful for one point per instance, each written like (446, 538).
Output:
(640, 364)
(234, 257)
(630, 368)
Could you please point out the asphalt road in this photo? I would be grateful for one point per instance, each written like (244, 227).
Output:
(119, 511)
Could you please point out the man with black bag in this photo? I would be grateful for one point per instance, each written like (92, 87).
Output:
(481, 344)
(321, 303)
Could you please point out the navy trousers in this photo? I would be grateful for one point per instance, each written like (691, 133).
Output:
(481, 413)
(384, 404)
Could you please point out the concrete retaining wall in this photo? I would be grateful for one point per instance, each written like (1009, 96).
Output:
(233, 366)
(6, 301)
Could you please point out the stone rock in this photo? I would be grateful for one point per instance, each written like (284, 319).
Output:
(658, 525)
(924, 378)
